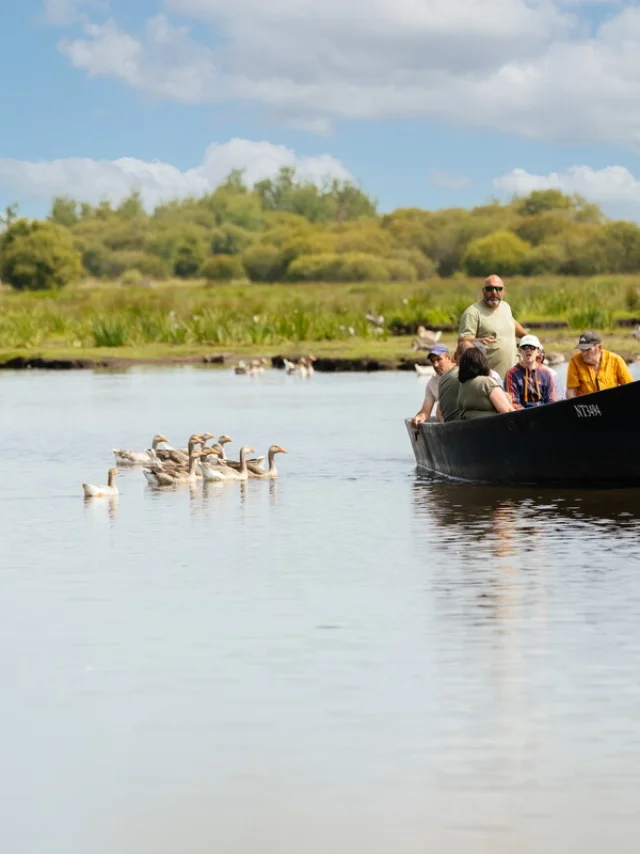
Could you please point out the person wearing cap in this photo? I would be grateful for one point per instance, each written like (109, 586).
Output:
(491, 323)
(594, 369)
(440, 358)
(530, 383)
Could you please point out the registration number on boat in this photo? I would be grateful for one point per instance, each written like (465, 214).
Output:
(587, 410)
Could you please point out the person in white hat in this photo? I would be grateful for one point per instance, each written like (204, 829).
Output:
(530, 383)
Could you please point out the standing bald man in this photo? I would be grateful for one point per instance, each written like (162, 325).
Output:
(490, 322)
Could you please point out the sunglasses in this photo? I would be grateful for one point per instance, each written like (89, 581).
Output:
(491, 288)
(528, 347)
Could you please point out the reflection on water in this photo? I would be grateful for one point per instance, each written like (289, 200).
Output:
(350, 657)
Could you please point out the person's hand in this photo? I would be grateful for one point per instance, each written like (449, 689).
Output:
(420, 418)
(490, 339)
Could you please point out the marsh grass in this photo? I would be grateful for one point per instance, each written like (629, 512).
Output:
(192, 315)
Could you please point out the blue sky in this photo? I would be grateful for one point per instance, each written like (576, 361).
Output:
(423, 102)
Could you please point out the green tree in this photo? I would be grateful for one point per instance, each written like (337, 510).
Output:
(64, 211)
(222, 268)
(264, 263)
(502, 252)
(542, 201)
(38, 255)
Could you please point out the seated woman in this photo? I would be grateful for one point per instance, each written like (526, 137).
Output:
(480, 395)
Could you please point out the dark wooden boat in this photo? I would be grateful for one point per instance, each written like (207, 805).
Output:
(587, 441)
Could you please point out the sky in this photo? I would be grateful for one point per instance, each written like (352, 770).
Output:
(432, 103)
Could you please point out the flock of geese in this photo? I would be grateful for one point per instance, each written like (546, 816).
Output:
(302, 368)
(165, 467)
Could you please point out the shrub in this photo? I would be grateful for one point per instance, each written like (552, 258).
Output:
(132, 278)
(423, 265)
(230, 239)
(222, 268)
(264, 263)
(502, 252)
(321, 267)
(361, 267)
(400, 271)
(38, 256)
(546, 258)
(109, 332)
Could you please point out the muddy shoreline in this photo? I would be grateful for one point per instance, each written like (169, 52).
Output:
(323, 364)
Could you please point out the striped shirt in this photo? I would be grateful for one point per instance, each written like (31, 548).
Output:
(529, 387)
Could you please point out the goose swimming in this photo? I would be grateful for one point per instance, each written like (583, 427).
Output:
(91, 491)
(125, 457)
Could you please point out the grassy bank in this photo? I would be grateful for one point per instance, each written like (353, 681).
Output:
(178, 320)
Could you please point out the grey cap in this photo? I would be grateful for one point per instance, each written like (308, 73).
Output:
(587, 340)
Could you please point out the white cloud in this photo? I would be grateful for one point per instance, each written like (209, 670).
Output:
(448, 180)
(92, 180)
(614, 187)
(62, 13)
(531, 67)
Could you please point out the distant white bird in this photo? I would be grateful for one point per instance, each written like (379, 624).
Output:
(636, 332)
(375, 319)
(425, 338)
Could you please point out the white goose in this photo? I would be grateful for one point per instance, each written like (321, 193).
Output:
(231, 473)
(91, 491)
(125, 457)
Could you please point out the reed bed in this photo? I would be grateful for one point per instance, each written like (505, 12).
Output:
(268, 315)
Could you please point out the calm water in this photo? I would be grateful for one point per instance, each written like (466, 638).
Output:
(350, 659)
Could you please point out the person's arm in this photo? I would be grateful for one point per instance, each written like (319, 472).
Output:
(520, 330)
(469, 327)
(425, 412)
(573, 381)
(501, 402)
(624, 374)
(549, 391)
(512, 389)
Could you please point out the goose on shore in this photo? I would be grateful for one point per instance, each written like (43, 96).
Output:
(125, 457)
(92, 491)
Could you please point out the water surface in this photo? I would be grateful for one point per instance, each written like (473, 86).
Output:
(353, 658)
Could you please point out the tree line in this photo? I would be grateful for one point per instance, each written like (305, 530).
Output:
(290, 230)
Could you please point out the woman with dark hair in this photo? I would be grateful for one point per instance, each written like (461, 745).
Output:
(479, 395)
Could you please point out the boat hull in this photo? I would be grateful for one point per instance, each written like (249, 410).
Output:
(586, 441)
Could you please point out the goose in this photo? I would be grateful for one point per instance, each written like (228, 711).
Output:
(211, 472)
(91, 491)
(125, 457)
(241, 473)
(290, 367)
(304, 367)
(160, 477)
(272, 470)
(241, 368)
(178, 456)
(424, 370)
(253, 464)
(425, 338)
